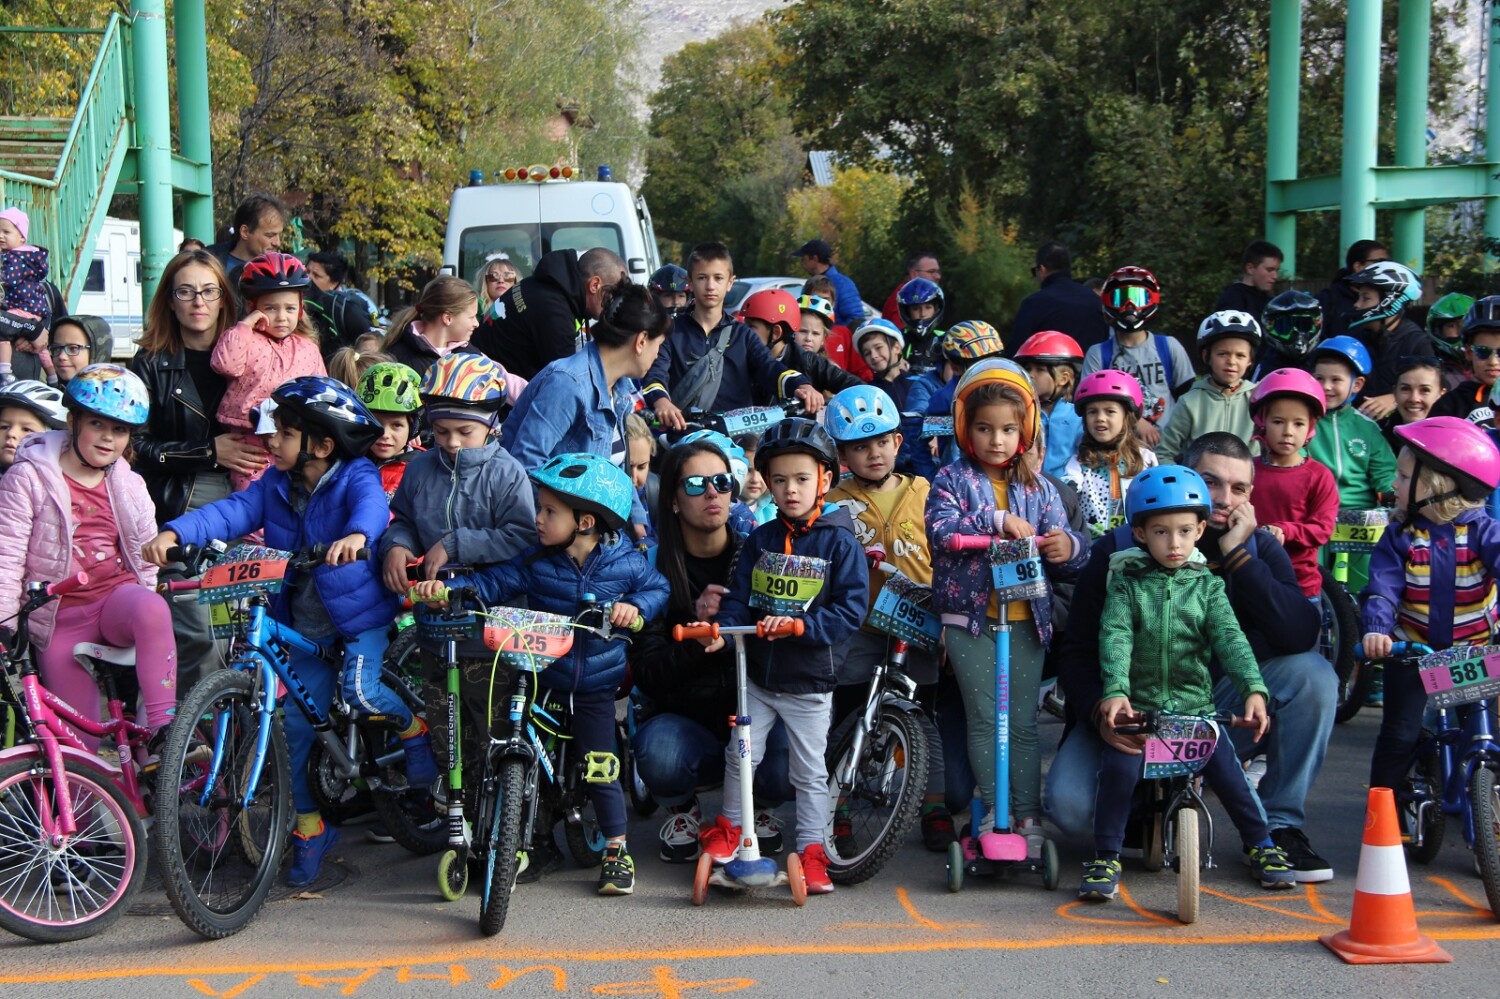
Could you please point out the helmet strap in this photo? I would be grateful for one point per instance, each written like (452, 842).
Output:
(798, 528)
(73, 441)
(1434, 500)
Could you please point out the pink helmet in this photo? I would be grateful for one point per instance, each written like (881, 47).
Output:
(1287, 381)
(1458, 448)
(1116, 386)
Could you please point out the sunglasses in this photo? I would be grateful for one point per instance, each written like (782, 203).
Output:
(697, 485)
(1483, 353)
(71, 349)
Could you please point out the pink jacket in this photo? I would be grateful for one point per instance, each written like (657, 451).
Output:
(256, 365)
(36, 525)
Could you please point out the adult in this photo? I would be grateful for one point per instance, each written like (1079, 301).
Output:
(495, 277)
(1338, 298)
(1060, 302)
(1260, 266)
(817, 259)
(922, 264)
(257, 226)
(341, 311)
(541, 319)
(680, 738)
(1282, 627)
(76, 342)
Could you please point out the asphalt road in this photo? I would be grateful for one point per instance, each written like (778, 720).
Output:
(382, 930)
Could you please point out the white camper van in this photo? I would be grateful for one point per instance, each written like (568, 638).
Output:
(112, 289)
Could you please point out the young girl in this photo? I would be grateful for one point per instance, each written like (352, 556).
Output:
(439, 322)
(274, 343)
(349, 364)
(69, 504)
(23, 271)
(1109, 455)
(1052, 360)
(990, 490)
(754, 495)
(392, 393)
(640, 449)
(1432, 580)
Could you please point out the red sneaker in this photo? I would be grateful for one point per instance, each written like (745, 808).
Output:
(720, 841)
(815, 869)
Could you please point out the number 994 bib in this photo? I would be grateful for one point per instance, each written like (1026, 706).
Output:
(786, 584)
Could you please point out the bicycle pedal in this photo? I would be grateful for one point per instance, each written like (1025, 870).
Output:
(601, 768)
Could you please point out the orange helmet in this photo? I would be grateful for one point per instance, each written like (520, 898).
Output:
(996, 370)
(772, 306)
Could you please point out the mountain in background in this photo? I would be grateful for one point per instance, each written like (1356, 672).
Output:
(671, 25)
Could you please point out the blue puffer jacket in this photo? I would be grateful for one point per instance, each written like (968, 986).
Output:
(348, 500)
(554, 583)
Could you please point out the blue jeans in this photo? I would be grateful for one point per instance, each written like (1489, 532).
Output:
(675, 756)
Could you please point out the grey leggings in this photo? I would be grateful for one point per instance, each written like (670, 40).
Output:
(973, 661)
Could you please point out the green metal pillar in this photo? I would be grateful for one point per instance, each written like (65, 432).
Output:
(1492, 143)
(190, 42)
(1282, 117)
(1413, 58)
(153, 138)
(1361, 121)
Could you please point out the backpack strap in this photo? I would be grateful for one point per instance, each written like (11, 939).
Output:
(1107, 352)
(1164, 351)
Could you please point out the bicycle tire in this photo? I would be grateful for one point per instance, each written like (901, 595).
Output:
(410, 814)
(586, 841)
(505, 847)
(1188, 865)
(403, 657)
(1338, 639)
(882, 803)
(219, 861)
(110, 843)
(1486, 806)
(1424, 782)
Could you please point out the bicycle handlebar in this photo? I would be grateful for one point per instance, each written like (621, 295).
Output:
(193, 556)
(68, 585)
(971, 542)
(1151, 720)
(682, 632)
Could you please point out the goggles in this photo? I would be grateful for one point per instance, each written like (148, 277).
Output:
(1135, 295)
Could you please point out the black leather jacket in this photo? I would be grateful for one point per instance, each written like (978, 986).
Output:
(178, 441)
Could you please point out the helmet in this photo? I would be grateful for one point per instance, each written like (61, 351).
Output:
(818, 306)
(272, 272)
(1107, 383)
(738, 466)
(885, 326)
(1050, 347)
(669, 279)
(1483, 315)
(110, 391)
(466, 379)
(971, 340)
(1226, 324)
(1286, 382)
(772, 306)
(593, 484)
(919, 291)
(1293, 321)
(796, 435)
(1347, 348)
(390, 387)
(997, 370)
(42, 400)
(1458, 448)
(1167, 488)
(860, 414)
(1131, 296)
(1449, 307)
(333, 408)
(1398, 285)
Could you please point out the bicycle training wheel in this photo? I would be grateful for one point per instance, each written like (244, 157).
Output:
(1423, 795)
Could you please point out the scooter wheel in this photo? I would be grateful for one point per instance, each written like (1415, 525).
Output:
(453, 875)
(1051, 870)
(795, 879)
(955, 867)
(700, 878)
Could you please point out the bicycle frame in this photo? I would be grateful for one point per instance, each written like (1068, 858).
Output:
(1461, 748)
(888, 673)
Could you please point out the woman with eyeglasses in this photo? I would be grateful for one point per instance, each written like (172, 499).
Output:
(76, 342)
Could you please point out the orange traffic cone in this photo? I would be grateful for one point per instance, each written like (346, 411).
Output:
(1383, 929)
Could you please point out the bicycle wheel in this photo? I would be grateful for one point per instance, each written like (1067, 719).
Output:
(410, 814)
(1486, 804)
(1423, 796)
(1338, 643)
(504, 847)
(219, 858)
(585, 839)
(870, 815)
(403, 658)
(640, 795)
(1188, 856)
(54, 896)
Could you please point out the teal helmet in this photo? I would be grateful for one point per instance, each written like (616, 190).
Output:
(592, 485)
(110, 391)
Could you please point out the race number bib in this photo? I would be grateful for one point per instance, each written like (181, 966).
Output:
(1017, 570)
(937, 426)
(247, 570)
(1357, 531)
(1116, 513)
(903, 609)
(1461, 675)
(1181, 745)
(527, 638)
(786, 584)
(752, 419)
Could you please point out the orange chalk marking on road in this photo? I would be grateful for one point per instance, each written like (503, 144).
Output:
(1320, 915)
(917, 921)
(230, 992)
(350, 985)
(457, 975)
(1071, 910)
(504, 976)
(665, 984)
(1458, 893)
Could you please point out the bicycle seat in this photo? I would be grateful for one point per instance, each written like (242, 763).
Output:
(109, 655)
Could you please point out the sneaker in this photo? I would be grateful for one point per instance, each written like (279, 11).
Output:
(617, 872)
(1269, 865)
(720, 841)
(1031, 828)
(843, 835)
(1101, 880)
(307, 856)
(815, 869)
(768, 832)
(70, 876)
(198, 752)
(679, 835)
(542, 859)
(421, 765)
(937, 829)
(1307, 866)
(1255, 770)
(378, 833)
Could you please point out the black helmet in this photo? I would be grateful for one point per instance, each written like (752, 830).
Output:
(795, 435)
(1483, 317)
(668, 279)
(1293, 321)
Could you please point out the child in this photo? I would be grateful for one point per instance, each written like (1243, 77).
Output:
(670, 287)
(1296, 498)
(776, 318)
(349, 365)
(1131, 297)
(75, 342)
(817, 323)
(273, 344)
(1052, 359)
(1165, 617)
(583, 504)
(1220, 400)
(1383, 292)
(1481, 333)
(887, 509)
(753, 492)
(1445, 323)
(640, 449)
(320, 492)
(792, 677)
(1110, 455)
(839, 344)
(963, 346)
(23, 271)
(991, 490)
(1446, 470)
(392, 393)
(27, 407)
(1419, 385)
(881, 344)
(442, 320)
(1292, 324)
(920, 303)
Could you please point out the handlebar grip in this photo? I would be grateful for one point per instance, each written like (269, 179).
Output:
(969, 542)
(440, 598)
(181, 585)
(682, 632)
(793, 627)
(185, 554)
(68, 585)
(363, 555)
(638, 623)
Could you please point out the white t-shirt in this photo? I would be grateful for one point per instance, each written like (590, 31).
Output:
(1143, 361)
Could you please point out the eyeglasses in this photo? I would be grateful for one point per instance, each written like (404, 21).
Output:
(697, 485)
(1483, 353)
(186, 293)
(71, 349)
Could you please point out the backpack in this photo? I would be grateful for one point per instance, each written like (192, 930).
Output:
(1163, 351)
(699, 385)
(341, 315)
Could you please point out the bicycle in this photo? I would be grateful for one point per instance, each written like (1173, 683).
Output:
(71, 837)
(1355, 533)
(734, 422)
(222, 823)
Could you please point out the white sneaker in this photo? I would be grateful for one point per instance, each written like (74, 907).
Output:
(1255, 770)
(768, 831)
(1031, 828)
(679, 835)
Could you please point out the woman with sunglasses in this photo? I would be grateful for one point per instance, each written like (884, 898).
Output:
(687, 692)
(497, 276)
(76, 342)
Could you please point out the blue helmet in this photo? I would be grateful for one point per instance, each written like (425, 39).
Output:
(861, 413)
(110, 391)
(739, 467)
(592, 485)
(1164, 489)
(1346, 348)
(919, 291)
(332, 408)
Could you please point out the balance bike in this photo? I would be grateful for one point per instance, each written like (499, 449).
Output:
(1355, 533)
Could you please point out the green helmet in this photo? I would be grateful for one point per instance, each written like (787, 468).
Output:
(389, 387)
(1451, 306)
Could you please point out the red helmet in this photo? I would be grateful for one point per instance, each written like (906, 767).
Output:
(772, 306)
(1050, 347)
(1130, 297)
(272, 272)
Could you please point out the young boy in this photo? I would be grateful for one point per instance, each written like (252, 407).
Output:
(1131, 296)
(920, 303)
(1165, 618)
(1291, 324)
(27, 407)
(583, 505)
(392, 391)
(839, 343)
(1383, 292)
(776, 318)
(817, 323)
(1296, 498)
(1260, 265)
(964, 345)
(1220, 400)
(881, 344)
(1052, 360)
(1481, 333)
(792, 678)
(1445, 324)
(1419, 385)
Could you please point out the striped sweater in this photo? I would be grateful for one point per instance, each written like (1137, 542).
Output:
(1435, 583)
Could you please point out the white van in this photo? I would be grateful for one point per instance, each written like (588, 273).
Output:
(541, 212)
(112, 289)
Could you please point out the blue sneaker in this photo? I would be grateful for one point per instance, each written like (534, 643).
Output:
(1101, 880)
(421, 764)
(307, 856)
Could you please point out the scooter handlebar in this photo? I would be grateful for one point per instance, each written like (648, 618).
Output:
(68, 585)
(793, 627)
(683, 632)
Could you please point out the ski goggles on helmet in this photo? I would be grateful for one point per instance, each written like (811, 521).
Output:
(697, 485)
(1135, 295)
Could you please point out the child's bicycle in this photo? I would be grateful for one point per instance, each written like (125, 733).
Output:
(734, 422)
(223, 815)
(878, 758)
(1455, 764)
(72, 850)
(1356, 533)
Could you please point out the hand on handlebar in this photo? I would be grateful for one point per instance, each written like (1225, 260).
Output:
(623, 615)
(1256, 716)
(345, 549)
(778, 626)
(1054, 546)
(811, 398)
(710, 644)
(1113, 712)
(669, 415)
(155, 551)
(430, 591)
(1016, 528)
(1377, 646)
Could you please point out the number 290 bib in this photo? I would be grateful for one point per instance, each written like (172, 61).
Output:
(786, 584)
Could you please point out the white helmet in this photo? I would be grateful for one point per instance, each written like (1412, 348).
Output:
(45, 401)
(1229, 323)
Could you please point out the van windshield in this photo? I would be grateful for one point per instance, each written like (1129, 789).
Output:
(524, 243)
